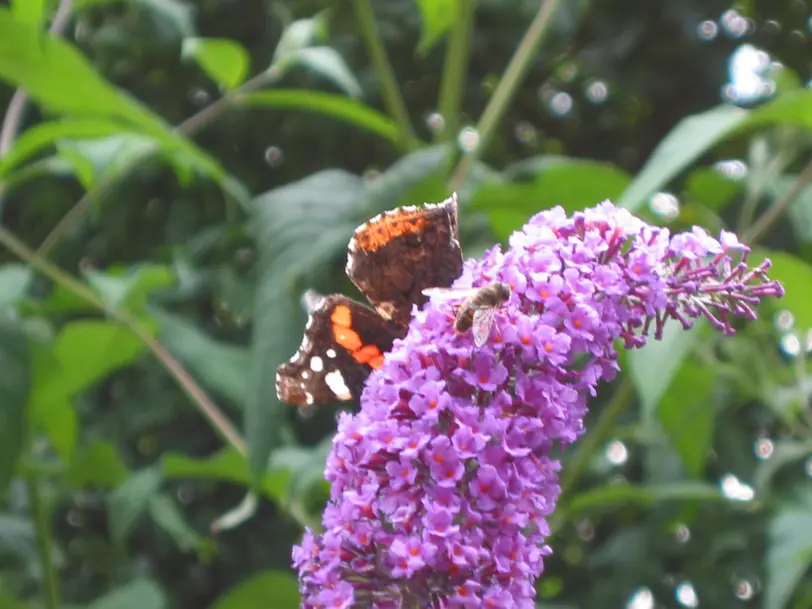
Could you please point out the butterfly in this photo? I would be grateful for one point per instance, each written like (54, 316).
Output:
(392, 258)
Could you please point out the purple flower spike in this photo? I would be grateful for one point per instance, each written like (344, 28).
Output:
(442, 483)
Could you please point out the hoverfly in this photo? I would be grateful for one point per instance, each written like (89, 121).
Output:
(477, 309)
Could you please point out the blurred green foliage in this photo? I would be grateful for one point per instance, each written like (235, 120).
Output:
(174, 175)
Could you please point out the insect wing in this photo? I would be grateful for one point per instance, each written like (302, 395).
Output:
(481, 329)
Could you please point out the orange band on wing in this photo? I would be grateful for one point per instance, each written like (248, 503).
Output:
(342, 316)
(366, 354)
(348, 338)
(384, 230)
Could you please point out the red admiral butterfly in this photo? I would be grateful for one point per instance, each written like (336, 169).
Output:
(392, 258)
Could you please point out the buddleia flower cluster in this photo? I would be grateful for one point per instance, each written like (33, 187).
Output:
(442, 484)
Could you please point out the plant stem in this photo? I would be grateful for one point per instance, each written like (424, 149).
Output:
(455, 67)
(597, 435)
(206, 406)
(502, 96)
(41, 516)
(592, 441)
(390, 91)
(777, 209)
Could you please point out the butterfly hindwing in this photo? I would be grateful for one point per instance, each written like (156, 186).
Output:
(343, 342)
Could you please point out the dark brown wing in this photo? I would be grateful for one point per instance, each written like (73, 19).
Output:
(398, 254)
(332, 362)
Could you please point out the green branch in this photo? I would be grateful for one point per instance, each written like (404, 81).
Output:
(598, 434)
(208, 408)
(503, 95)
(456, 67)
(392, 98)
(41, 515)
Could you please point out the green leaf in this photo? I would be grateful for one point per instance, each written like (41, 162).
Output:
(58, 77)
(275, 589)
(789, 553)
(686, 412)
(218, 366)
(689, 139)
(14, 280)
(298, 35)
(52, 166)
(614, 496)
(328, 63)
(94, 158)
(572, 184)
(15, 384)
(175, 12)
(329, 104)
(296, 48)
(228, 466)
(131, 500)
(711, 188)
(61, 424)
(795, 275)
(42, 135)
(28, 11)
(791, 108)
(654, 366)
(225, 61)
(129, 287)
(96, 464)
(138, 594)
(436, 19)
(165, 514)
(8, 602)
(304, 466)
(84, 352)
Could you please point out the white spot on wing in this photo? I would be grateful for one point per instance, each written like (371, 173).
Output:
(309, 323)
(316, 364)
(331, 353)
(335, 381)
(308, 398)
(305, 374)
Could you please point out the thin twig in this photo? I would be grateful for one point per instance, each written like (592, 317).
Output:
(777, 209)
(502, 96)
(190, 126)
(455, 67)
(41, 515)
(209, 409)
(390, 90)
